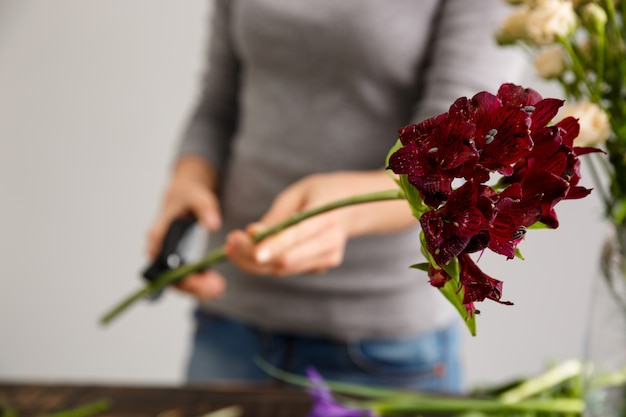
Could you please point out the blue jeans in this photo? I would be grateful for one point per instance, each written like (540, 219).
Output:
(225, 349)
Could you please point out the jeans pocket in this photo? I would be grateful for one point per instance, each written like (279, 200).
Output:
(407, 357)
(427, 361)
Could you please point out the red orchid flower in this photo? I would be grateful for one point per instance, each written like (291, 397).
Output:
(502, 132)
(449, 230)
(478, 285)
(509, 134)
(433, 154)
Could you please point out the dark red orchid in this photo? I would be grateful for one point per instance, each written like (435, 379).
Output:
(449, 229)
(511, 217)
(433, 154)
(509, 134)
(570, 128)
(502, 132)
(478, 285)
(552, 170)
(544, 111)
(518, 96)
(549, 189)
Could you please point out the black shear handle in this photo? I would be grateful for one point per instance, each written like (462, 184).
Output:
(170, 256)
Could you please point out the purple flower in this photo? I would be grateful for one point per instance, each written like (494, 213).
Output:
(325, 405)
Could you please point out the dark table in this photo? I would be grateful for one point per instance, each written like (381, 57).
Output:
(37, 399)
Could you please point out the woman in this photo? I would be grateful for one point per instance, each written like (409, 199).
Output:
(301, 103)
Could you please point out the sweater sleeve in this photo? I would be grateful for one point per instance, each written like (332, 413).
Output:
(214, 119)
(464, 58)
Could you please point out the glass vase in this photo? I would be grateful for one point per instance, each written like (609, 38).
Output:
(605, 350)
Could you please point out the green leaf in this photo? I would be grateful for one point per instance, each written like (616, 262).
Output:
(421, 266)
(538, 225)
(425, 252)
(453, 269)
(393, 149)
(412, 196)
(454, 292)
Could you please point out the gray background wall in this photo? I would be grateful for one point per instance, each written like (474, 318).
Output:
(93, 95)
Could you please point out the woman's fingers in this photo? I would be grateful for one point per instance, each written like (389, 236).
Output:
(311, 246)
(309, 256)
(203, 285)
(276, 246)
(240, 249)
(181, 199)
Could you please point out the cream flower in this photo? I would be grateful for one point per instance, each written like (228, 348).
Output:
(594, 122)
(550, 62)
(550, 19)
(513, 28)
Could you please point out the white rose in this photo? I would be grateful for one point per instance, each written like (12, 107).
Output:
(513, 28)
(594, 122)
(550, 19)
(550, 62)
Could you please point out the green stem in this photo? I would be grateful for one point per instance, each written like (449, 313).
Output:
(578, 68)
(608, 379)
(346, 388)
(453, 405)
(545, 381)
(600, 185)
(87, 410)
(219, 254)
(600, 58)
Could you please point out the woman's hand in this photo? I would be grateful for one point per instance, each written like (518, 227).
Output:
(318, 243)
(190, 191)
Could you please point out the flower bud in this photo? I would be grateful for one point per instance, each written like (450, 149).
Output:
(595, 127)
(594, 18)
(550, 62)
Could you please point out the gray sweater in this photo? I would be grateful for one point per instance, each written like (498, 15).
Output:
(295, 87)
